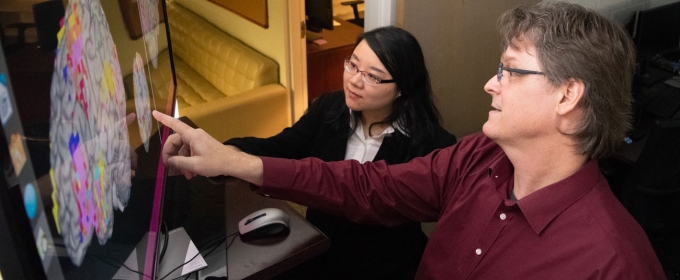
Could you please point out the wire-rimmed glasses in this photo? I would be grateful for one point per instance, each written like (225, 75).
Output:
(514, 70)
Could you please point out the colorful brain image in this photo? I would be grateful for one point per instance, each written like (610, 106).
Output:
(90, 152)
(148, 15)
(142, 104)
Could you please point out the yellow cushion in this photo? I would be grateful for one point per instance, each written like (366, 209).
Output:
(225, 87)
(226, 63)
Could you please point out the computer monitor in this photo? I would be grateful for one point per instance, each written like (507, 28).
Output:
(319, 15)
(656, 31)
(81, 153)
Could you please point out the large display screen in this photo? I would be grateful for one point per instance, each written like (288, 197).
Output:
(84, 147)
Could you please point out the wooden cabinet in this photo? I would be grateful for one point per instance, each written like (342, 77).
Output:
(325, 62)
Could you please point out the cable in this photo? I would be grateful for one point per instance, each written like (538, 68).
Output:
(199, 252)
(213, 249)
(222, 239)
(232, 240)
(101, 258)
(166, 238)
(189, 275)
(196, 255)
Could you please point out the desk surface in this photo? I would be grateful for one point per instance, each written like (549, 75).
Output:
(266, 257)
(343, 35)
(260, 258)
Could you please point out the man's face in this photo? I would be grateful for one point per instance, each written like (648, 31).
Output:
(523, 105)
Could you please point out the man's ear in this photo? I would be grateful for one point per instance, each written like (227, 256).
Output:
(572, 94)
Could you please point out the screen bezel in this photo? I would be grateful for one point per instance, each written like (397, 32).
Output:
(152, 248)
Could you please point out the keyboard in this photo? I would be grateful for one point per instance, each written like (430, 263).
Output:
(664, 100)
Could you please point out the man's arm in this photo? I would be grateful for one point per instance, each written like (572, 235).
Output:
(373, 192)
(194, 152)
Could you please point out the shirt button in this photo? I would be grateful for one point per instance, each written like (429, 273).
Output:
(478, 251)
(503, 216)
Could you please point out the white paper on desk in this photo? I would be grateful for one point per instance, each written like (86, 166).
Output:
(180, 250)
(197, 263)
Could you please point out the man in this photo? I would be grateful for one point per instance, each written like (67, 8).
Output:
(523, 200)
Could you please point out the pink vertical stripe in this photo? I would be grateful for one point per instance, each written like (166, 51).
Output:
(150, 259)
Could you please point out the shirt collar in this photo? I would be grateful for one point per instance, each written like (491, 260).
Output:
(389, 130)
(359, 132)
(544, 205)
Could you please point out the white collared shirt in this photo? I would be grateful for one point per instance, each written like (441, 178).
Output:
(362, 148)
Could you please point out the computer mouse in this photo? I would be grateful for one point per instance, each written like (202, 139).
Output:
(263, 222)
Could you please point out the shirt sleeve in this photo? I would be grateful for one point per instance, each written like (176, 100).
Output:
(373, 192)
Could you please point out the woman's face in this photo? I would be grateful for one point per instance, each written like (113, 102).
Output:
(375, 100)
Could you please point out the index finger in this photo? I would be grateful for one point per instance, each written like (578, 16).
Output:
(175, 124)
(130, 118)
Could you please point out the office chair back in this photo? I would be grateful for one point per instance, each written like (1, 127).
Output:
(358, 20)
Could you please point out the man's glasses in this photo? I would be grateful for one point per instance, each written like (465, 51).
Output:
(514, 70)
(368, 78)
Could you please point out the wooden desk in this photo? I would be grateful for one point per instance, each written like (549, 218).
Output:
(266, 257)
(325, 62)
(260, 258)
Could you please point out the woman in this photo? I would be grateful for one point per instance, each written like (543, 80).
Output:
(385, 112)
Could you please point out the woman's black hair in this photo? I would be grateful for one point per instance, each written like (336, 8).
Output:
(414, 110)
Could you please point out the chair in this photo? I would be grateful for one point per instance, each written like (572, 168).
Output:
(651, 191)
(356, 20)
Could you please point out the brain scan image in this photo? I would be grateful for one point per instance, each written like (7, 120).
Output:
(148, 15)
(142, 105)
(90, 152)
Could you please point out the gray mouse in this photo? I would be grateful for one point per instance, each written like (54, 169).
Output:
(263, 222)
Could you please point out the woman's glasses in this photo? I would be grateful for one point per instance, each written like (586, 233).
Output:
(368, 78)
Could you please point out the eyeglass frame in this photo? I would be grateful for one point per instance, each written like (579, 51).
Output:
(499, 75)
(363, 74)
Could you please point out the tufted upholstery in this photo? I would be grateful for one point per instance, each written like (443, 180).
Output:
(223, 86)
(229, 65)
